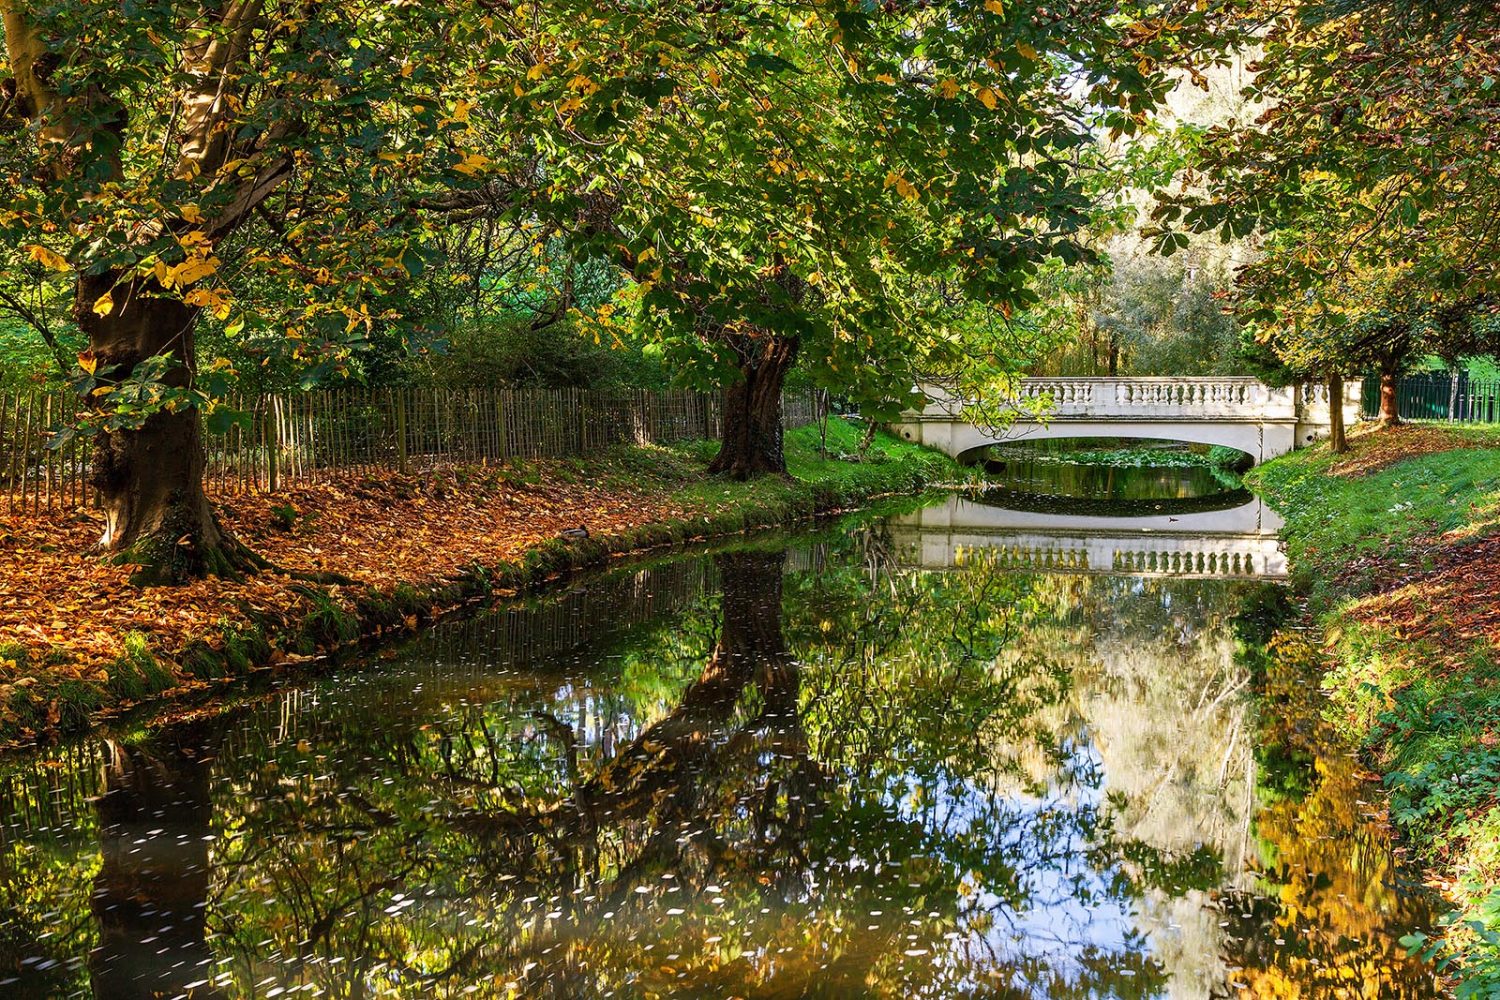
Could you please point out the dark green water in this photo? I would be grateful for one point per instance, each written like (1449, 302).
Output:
(798, 769)
(1137, 476)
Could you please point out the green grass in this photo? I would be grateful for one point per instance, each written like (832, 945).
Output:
(1426, 711)
(1332, 521)
(817, 482)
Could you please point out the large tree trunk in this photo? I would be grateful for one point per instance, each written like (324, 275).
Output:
(1390, 406)
(751, 441)
(1337, 442)
(150, 477)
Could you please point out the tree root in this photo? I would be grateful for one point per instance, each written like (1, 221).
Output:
(248, 562)
(161, 562)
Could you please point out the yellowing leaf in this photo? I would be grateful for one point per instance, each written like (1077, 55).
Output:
(904, 187)
(948, 88)
(1028, 51)
(88, 362)
(215, 300)
(191, 270)
(994, 7)
(472, 164)
(192, 213)
(104, 304)
(47, 258)
(987, 98)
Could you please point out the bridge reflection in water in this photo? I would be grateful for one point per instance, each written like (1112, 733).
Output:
(1236, 543)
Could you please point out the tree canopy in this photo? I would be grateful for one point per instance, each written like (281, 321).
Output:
(1370, 172)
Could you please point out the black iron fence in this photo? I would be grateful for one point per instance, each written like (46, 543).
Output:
(1439, 396)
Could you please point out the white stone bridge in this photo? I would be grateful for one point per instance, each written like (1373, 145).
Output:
(1241, 413)
(1239, 543)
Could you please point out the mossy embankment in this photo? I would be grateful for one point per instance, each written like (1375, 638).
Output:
(1397, 549)
(410, 548)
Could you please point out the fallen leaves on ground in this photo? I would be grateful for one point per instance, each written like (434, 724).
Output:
(71, 610)
(1452, 605)
(1372, 448)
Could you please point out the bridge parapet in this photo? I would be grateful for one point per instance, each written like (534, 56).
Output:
(1236, 543)
(1104, 398)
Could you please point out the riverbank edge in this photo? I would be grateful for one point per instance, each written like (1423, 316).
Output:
(1418, 697)
(335, 619)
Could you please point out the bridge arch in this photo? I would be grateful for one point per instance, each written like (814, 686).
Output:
(1248, 438)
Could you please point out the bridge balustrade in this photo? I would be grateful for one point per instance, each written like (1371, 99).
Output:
(1236, 398)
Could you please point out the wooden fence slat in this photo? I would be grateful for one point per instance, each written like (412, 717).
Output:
(352, 431)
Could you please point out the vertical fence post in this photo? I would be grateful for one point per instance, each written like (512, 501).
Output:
(273, 443)
(401, 456)
(578, 403)
(502, 428)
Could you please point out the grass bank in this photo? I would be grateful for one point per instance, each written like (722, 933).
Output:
(1397, 547)
(78, 642)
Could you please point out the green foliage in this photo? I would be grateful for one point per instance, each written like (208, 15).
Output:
(25, 361)
(874, 183)
(1369, 173)
(1132, 457)
(512, 352)
(283, 516)
(1138, 314)
(325, 621)
(75, 703)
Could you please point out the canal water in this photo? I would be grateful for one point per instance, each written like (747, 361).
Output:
(890, 759)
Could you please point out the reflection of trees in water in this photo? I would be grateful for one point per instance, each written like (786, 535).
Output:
(864, 800)
(851, 780)
(1161, 698)
(150, 897)
(1343, 901)
(48, 858)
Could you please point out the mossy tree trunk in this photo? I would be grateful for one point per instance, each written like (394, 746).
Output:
(751, 440)
(150, 476)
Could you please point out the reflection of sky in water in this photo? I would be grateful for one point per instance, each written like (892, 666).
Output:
(1071, 909)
